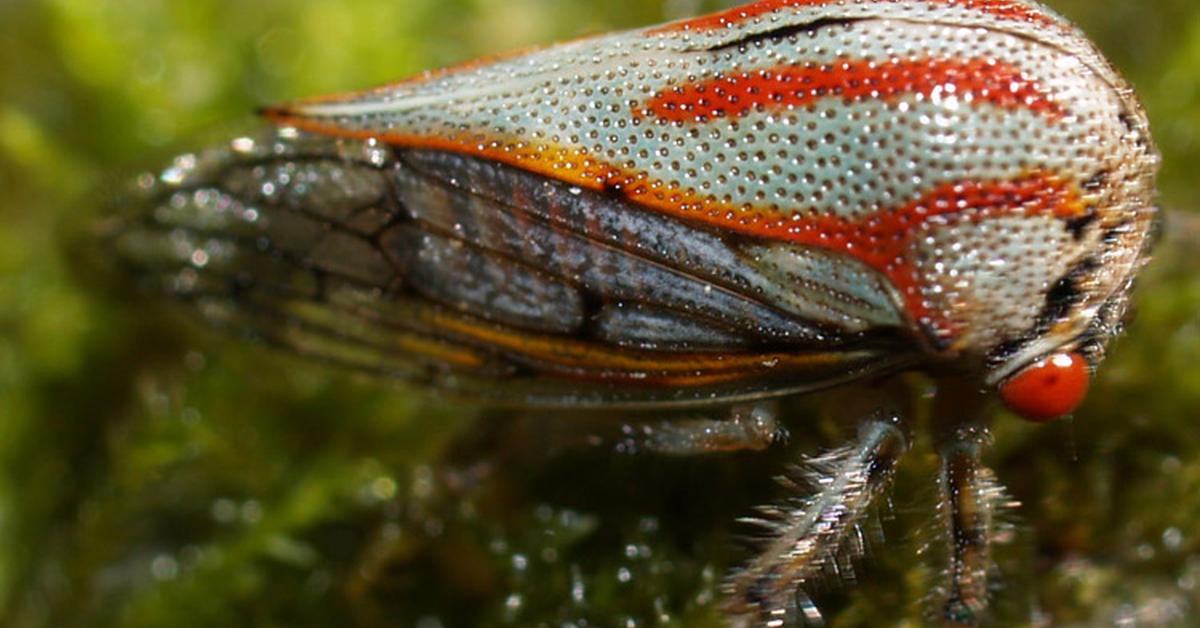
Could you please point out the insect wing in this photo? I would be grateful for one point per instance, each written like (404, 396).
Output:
(478, 278)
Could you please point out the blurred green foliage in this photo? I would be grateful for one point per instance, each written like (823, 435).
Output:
(152, 474)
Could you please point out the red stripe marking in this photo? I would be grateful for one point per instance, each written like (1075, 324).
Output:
(732, 18)
(995, 82)
(883, 240)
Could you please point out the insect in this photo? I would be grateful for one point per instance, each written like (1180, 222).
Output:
(767, 201)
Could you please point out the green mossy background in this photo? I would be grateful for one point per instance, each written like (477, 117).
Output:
(152, 474)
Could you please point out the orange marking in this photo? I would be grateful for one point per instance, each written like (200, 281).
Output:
(995, 82)
(439, 351)
(569, 165)
(732, 18)
(596, 357)
(570, 359)
(404, 342)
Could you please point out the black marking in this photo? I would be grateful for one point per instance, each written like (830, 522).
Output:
(1079, 224)
(1097, 182)
(1128, 121)
(1133, 127)
(1066, 293)
(592, 305)
(1063, 294)
(1112, 235)
(612, 188)
(784, 32)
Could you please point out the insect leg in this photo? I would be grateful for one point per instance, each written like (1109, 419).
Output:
(969, 498)
(749, 427)
(811, 537)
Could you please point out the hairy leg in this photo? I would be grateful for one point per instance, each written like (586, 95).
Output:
(812, 536)
(969, 497)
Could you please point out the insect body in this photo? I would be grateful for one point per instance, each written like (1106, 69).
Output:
(774, 199)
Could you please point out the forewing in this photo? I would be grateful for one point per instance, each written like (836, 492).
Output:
(477, 278)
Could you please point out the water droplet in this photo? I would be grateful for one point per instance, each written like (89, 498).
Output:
(190, 415)
(624, 575)
(173, 176)
(243, 145)
(383, 488)
(1172, 539)
(252, 511)
(422, 483)
(578, 589)
(164, 567)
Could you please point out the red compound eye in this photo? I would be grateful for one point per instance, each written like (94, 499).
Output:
(1048, 389)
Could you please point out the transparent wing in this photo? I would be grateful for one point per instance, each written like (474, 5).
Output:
(475, 277)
